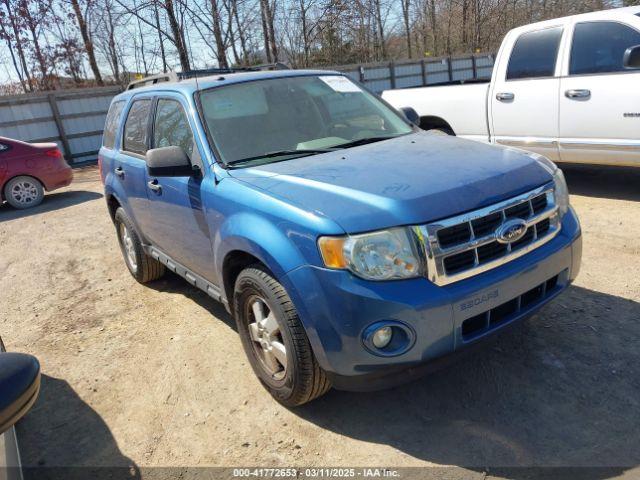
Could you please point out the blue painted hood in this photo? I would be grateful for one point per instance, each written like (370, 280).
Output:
(408, 180)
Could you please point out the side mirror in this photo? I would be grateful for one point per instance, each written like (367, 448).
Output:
(168, 162)
(631, 57)
(19, 384)
(411, 115)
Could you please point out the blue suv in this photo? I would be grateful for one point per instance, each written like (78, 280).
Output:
(352, 248)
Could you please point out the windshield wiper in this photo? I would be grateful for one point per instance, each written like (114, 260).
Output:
(365, 141)
(281, 153)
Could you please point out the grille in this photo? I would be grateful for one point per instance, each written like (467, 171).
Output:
(504, 313)
(465, 245)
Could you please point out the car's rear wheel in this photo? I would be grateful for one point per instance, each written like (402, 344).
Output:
(143, 267)
(275, 340)
(24, 192)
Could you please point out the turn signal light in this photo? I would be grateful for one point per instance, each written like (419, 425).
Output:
(331, 249)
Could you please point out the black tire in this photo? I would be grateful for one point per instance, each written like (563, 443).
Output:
(442, 131)
(303, 380)
(146, 268)
(24, 192)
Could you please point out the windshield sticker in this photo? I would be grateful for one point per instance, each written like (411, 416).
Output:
(339, 83)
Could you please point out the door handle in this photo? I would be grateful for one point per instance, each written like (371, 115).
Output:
(119, 171)
(577, 93)
(155, 186)
(505, 96)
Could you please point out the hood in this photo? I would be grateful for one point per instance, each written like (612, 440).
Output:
(413, 179)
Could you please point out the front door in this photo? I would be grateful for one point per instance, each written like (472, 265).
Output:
(524, 100)
(599, 98)
(178, 225)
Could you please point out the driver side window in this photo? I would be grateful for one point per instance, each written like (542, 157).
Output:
(598, 47)
(171, 127)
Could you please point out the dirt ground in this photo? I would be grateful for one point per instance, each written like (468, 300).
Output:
(156, 376)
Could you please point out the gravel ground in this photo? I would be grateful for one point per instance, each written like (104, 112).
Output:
(156, 376)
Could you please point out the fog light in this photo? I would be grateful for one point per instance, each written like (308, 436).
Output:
(382, 337)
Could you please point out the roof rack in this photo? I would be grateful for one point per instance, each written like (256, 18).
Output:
(177, 76)
(153, 79)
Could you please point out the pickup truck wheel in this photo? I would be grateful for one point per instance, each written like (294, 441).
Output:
(24, 192)
(143, 267)
(274, 339)
(441, 131)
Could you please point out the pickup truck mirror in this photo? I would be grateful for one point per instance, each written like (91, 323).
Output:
(631, 57)
(168, 162)
(411, 115)
(19, 384)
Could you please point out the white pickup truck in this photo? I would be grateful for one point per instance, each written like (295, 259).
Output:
(568, 89)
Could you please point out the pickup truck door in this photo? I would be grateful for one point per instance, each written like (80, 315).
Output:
(178, 225)
(599, 98)
(523, 100)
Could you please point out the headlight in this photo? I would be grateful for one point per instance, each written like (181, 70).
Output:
(385, 255)
(561, 191)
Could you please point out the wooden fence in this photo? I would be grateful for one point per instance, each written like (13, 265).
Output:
(74, 119)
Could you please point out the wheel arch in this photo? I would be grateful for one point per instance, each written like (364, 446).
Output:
(431, 122)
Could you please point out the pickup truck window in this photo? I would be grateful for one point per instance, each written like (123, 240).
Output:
(171, 127)
(297, 115)
(598, 47)
(534, 54)
(111, 124)
(136, 127)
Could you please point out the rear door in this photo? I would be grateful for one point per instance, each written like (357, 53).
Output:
(523, 101)
(129, 164)
(599, 98)
(178, 224)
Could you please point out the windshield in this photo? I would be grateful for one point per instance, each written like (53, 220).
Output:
(277, 119)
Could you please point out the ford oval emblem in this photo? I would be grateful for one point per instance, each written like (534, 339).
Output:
(511, 231)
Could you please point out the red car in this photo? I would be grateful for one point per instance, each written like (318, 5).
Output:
(28, 169)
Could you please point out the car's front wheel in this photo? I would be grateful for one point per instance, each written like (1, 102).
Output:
(275, 340)
(24, 192)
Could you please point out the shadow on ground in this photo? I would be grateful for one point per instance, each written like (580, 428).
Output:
(620, 183)
(172, 283)
(64, 438)
(51, 202)
(561, 389)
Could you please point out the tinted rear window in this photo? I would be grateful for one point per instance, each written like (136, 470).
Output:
(111, 124)
(534, 54)
(136, 128)
(598, 47)
(3, 147)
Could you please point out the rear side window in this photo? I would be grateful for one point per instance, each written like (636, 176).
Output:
(534, 54)
(136, 128)
(111, 124)
(598, 47)
(171, 127)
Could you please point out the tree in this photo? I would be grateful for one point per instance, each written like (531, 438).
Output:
(86, 38)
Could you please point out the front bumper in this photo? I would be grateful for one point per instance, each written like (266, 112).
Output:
(336, 307)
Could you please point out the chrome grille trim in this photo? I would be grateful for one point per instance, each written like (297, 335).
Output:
(435, 254)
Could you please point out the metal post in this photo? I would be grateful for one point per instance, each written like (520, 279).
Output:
(474, 67)
(423, 69)
(361, 72)
(450, 69)
(392, 72)
(59, 125)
